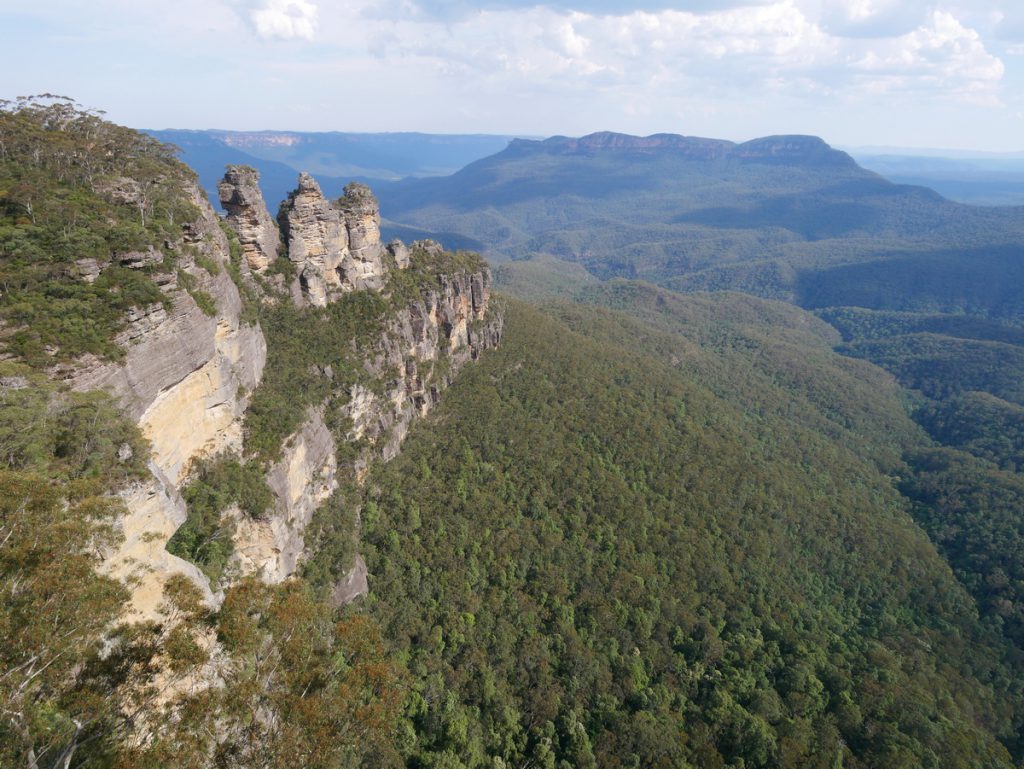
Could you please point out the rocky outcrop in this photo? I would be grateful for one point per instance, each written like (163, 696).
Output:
(354, 585)
(155, 511)
(412, 362)
(258, 234)
(360, 211)
(399, 252)
(301, 481)
(186, 378)
(419, 356)
(335, 249)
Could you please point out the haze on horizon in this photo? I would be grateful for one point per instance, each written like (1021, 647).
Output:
(905, 73)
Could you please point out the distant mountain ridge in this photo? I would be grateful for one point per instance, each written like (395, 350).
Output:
(785, 217)
(335, 157)
(782, 148)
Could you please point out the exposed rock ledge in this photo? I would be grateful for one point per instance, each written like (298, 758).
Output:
(417, 357)
(301, 481)
(155, 511)
(186, 378)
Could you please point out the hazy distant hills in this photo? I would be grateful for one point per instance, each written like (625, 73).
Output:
(978, 179)
(335, 158)
(784, 217)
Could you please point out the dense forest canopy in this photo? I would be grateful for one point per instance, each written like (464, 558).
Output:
(652, 529)
(78, 193)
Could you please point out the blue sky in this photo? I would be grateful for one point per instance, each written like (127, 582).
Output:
(915, 73)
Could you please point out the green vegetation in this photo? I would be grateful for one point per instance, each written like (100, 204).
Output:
(333, 695)
(973, 512)
(594, 556)
(66, 436)
(61, 456)
(215, 485)
(77, 194)
(315, 354)
(311, 355)
(542, 277)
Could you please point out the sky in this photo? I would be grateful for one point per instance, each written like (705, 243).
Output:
(910, 73)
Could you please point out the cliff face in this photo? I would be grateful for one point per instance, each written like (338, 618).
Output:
(192, 364)
(301, 481)
(411, 362)
(186, 377)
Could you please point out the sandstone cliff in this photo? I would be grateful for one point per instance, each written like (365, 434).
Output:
(334, 248)
(412, 362)
(192, 363)
(186, 378)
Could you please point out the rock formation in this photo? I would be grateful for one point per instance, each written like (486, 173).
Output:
(258, 233)
(335, 249)
(361, 214)
(186, 377)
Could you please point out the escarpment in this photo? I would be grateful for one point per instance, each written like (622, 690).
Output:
(186, 376)
(434, 317)
(407, 367)
(195, 306)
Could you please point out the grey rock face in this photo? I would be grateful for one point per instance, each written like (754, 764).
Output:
(88, 269)
(419, 356)
(163, 347)
(399, 252)
(13, 383)
(353, 586)
(335, 248)
(136, 260)
(301, 480)
(257, 231)
(361, 214)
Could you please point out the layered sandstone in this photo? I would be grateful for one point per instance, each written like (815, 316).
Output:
(334, 248)
(186, 378)
(258, 233)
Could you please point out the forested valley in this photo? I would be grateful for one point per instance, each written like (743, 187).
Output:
(654, 526)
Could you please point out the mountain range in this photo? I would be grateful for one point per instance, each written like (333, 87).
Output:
(297, 492)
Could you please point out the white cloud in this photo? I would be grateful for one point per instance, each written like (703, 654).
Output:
(776, 47)
(284, 19)
(867, 18)
(942, 55)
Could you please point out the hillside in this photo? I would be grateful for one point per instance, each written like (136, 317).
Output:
(782, 217)
(277, 493)
(675, 542)
(181, 397)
